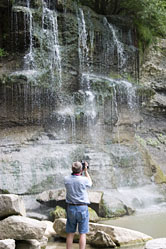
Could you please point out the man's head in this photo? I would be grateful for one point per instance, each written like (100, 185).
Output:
(76, 167)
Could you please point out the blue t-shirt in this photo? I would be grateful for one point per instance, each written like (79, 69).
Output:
(76, 189)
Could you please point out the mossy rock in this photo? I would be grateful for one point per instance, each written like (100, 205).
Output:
(4, 191)
(59, 212)
(159, 176)
(114, 208)
(93, 217)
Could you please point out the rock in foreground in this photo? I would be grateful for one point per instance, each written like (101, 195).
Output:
(110, 236)
(21, 228)
(7, 244)
(156, 244)
(11, 204)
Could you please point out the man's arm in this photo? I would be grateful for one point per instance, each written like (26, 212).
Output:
(87, 174)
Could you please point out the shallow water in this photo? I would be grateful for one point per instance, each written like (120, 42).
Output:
(55, 245)
(150, 223)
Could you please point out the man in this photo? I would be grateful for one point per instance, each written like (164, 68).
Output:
(77, 204)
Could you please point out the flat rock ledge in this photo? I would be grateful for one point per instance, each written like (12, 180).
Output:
(156, 244)
(101, 235)
(7, 244)
(57, 196)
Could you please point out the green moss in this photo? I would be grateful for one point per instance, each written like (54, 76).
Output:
(145, 92)
(3, 53)
(110, 212)
(153, 142)
(104, 210)
(115, 75)
(159, 176)
(59, 212)
(45, 184)
(4, 191)
(140, 140)
(162, 138)
(93, 217)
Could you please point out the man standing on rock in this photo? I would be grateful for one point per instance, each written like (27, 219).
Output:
(77, 204)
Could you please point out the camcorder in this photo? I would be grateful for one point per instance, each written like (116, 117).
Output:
(83, 165)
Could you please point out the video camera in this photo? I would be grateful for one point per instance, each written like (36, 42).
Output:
(83, 165)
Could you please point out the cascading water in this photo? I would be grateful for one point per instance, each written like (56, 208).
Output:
(50, 17)
(36, 59)
(85, 57)
(29, 58)
(119, 45)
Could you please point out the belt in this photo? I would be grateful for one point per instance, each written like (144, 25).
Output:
(77, 204)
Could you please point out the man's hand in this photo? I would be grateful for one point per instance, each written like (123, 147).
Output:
(86, 173)
(86, 166)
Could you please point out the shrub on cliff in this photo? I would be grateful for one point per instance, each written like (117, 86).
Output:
(148, 16)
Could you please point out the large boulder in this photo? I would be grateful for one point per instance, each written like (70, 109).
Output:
(52, 197)
(102, 239)
(111, 236)
(50, 232)
(156, 244)
(32, 243)
(21, 228)
(11, 204)
(93, 217)
(60, 212)
(28, 244)
(7, 244)
(104, 204)
(95, 198)
(112, 206)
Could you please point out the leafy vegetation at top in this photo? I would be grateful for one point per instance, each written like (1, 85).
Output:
(3, 53)
(148, 16)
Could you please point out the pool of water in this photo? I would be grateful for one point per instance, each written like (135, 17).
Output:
(152, 224)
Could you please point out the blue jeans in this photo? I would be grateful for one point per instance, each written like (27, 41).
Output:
(77, 215)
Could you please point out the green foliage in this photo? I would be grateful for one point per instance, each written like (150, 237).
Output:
(154, 142)
(148, 16)
(162, 138)
(3, 53)
(4, 191)
(140, 140)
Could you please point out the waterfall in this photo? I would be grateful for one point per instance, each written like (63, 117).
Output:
(49, 18)
(85, 57)
(36, 60)
(83, 49)
(72, 85)
(29, 58)
(122, 58)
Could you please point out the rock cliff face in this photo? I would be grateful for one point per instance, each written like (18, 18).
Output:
(69, 90)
